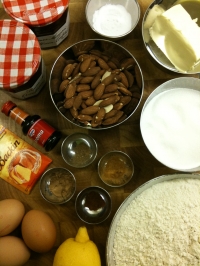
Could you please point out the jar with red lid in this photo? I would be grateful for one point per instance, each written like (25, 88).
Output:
(49, 20)
(22, 70)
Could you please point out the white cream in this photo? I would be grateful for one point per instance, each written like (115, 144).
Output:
(112, 20)
(170, 126)
(178, 36)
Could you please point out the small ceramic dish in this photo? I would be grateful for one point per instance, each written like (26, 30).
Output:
(115, 168)
(79, 150)
(93, 205)
(57, 185)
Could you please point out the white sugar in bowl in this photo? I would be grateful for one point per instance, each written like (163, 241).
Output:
(170, 124)
(112, 19)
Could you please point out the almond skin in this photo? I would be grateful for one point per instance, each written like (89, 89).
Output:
(63, 85)
(124, 79)
(67, 71)
(103, 64)
(125, 91)
(86, 80)
(68, 103)
(90, 101)
(99, 116)
(85, 64)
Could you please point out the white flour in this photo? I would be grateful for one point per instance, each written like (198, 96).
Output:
(161, 227)
(112, 20)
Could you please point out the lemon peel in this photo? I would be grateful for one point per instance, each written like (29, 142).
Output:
(78, 251)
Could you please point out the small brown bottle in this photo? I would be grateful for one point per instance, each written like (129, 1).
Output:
(33, 126)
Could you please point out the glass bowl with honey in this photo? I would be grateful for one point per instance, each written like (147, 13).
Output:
(115, 168)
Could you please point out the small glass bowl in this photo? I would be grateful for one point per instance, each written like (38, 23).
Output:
(57, 185)
(115, 168)
(79, 150)
(93, 205)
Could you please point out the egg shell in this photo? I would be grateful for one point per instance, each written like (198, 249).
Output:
(38, 231)
(11, 214)
(13, 251)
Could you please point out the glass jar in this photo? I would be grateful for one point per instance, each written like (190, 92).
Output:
(22, 70)
(49, 20)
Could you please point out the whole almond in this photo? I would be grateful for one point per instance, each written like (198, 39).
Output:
(124, 79)
(91, 71)
(68, 103)
(73, 112)
(110, 114)
(103, 64)
(125, 91)
(114, 119)
(99, 116)
(70, 90)
(90, 101)
(111, 100)
(97, 79)
(67, 71)
(82, 87)
(108, 80)
(85, 64)
(84, 117)
(86, 80)
(76, 70)
(86, 94)
(128, 63)
(111, 64)
(129, 77)
(107, 95)
(118, 106)
(125, 99)
(131, 106)
(63, 85)
(77, 101)
(90, 110)
(99, 91)
(111, 88)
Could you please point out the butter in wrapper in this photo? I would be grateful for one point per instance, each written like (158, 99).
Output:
(21, 165)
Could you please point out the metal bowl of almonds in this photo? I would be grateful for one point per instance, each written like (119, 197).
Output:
(96, 84)
(57, 185)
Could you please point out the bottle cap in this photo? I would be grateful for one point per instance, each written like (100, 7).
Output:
(7, 107)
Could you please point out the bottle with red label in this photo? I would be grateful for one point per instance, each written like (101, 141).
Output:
(33, 126)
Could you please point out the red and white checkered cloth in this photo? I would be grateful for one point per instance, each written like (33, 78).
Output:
(20, 54)
(35, 12)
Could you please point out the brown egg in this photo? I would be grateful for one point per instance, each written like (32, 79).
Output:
(11, 214)
(13, 251)
(38, 231)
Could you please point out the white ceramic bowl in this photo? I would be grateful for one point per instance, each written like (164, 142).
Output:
(131, 6)
(164, 125)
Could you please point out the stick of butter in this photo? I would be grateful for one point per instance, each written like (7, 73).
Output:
(178, 37)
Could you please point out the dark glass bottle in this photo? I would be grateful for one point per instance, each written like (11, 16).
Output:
(33, 126)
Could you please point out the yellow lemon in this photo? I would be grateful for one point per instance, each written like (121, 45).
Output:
(78, 251)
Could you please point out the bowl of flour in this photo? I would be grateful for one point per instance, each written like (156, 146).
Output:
(158, 224)
(113, 19)
(170, 124)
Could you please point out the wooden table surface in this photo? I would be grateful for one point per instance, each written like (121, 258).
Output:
(126, 137)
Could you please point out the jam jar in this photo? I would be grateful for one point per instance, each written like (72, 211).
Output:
(49, 20)
(22, 70)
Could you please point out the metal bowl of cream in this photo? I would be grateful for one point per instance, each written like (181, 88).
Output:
(170, 126)
(156, 8)
(112, 19)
